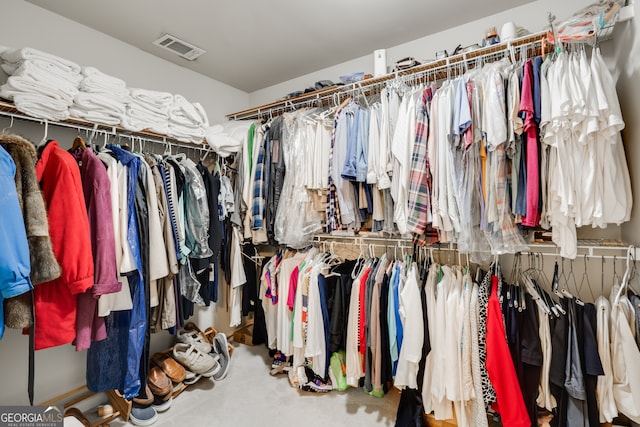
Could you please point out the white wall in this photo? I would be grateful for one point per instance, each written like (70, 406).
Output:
(532, 16)
(25, 25)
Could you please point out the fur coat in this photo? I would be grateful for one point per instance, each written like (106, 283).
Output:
(44, 267)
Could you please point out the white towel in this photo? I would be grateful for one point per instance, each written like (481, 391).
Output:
(185, 113)
(39, 75)
(144, 108)
(152, 97)
(38, 68)
(142, 114)
(97, 101)
(42, 107)
(187, 134)
(133, 124)
(17, 85)
(97, 116)
(117, 93)
(98, 76)
(229, 137)
(19, 55)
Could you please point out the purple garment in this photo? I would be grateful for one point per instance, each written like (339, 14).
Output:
(97, 195)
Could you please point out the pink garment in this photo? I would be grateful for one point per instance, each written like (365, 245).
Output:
(532, 217)
(97, 195)
(293, 285)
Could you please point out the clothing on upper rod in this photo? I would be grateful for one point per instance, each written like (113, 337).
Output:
(472, 160)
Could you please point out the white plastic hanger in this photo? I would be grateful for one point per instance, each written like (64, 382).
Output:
(46, 132)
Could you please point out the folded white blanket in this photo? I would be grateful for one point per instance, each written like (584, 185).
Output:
(29, 70)
(144, 108)
(42, 107)
(229, 137)
(133, 124)
(136, 124)
(161, 128)
(97, 101)
(16, 85)
(38, 68)
(97, 116)
(184, 112)
(186, 134)
(96, 75)
(152, 97)
(146, 115)
(117, 93)
(19, 55)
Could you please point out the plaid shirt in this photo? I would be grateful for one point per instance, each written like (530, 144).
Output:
(419, 199)
(332, 211)
(258, 190)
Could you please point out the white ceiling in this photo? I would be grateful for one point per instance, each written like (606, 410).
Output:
(253, 44)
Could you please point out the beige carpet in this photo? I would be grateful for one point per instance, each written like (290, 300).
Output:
(249, 396)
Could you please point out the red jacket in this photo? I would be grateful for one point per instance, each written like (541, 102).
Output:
(55, 301)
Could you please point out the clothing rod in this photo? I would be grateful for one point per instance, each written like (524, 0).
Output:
(327, 93)
(587, 247)
(8, 110)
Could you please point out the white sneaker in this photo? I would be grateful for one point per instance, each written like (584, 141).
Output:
(195, 360)
(196, 338)
(221, 348)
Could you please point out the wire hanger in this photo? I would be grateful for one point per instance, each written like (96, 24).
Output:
(585, 278)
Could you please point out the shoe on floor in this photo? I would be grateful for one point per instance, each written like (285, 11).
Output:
(146, 399)
(191, 378)
(169, 366)
(221, 347)
(280, 364)
(315, 383)
(162, 403)
(143, 415)
(278, 360)
(196, 338)
(159, 382)
(195, 360)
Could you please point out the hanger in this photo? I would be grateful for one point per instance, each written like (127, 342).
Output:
(78, 143)
(585, 278)
(10, 126)
(167, 151)
(46, 132)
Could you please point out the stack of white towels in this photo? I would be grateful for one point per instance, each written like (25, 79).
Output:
(166, 114)
(187, 121)
(102, 98)
(46, 86)
(148, 110)
(40, 84)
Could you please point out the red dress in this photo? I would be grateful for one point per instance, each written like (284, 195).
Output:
(502, 374)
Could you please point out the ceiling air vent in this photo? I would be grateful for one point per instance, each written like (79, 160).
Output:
(179, 47)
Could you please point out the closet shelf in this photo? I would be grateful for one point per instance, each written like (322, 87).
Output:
(8, 109)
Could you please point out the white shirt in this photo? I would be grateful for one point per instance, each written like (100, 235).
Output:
(124, 258)
(413, 332)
